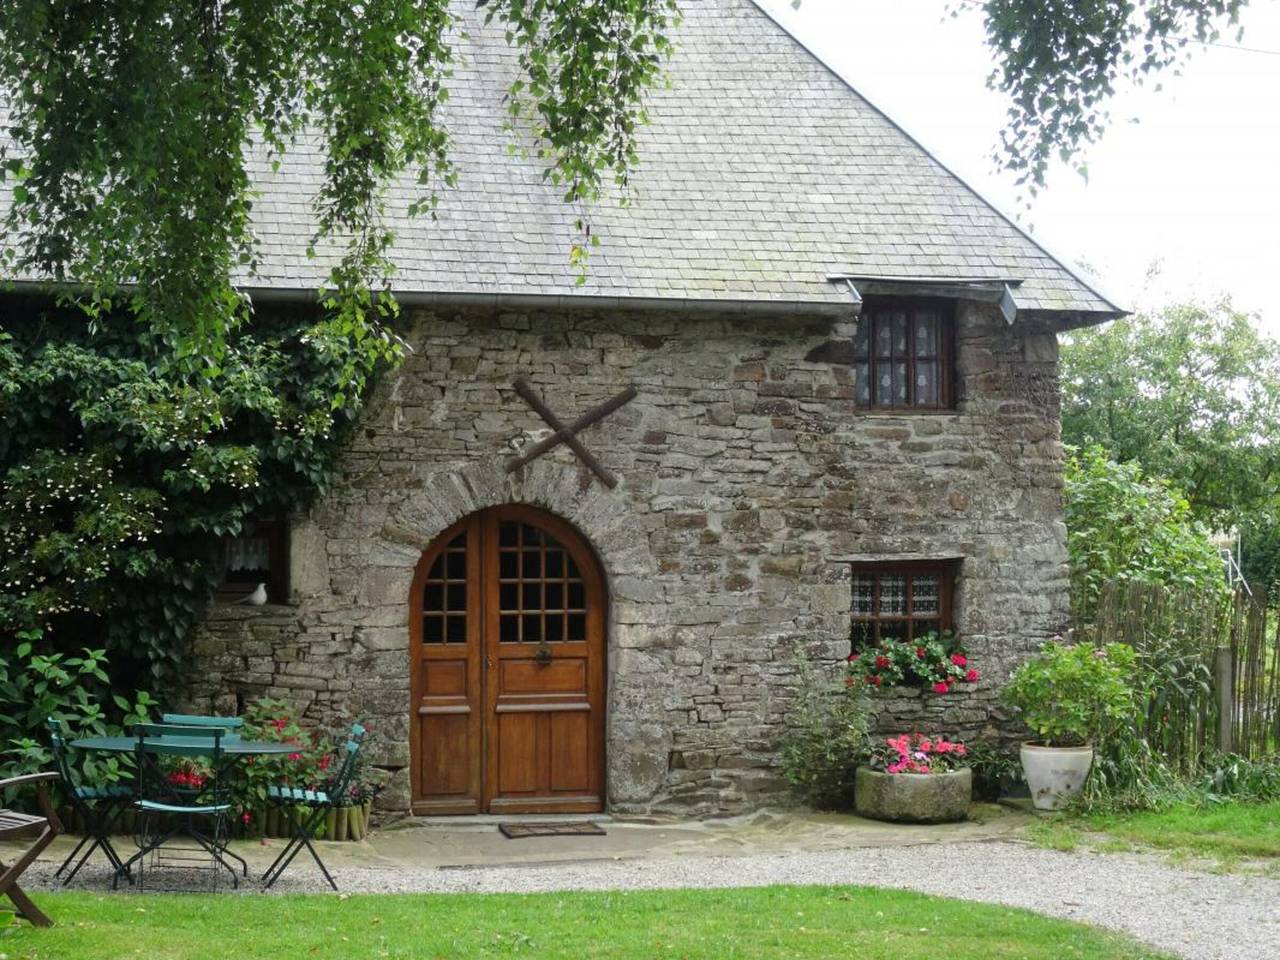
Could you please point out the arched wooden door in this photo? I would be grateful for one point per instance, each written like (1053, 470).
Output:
(506, 640)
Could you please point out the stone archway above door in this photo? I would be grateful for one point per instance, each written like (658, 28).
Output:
(507, 668)
(637, 734)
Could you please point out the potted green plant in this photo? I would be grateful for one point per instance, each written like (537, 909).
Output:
(914, 779)
(1071, 696)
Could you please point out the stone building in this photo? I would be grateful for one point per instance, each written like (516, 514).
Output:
(829, 378)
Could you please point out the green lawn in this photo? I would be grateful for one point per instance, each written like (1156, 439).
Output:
(1226, 833)
(771, 922)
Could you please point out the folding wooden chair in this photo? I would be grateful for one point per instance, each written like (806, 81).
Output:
(25, 826)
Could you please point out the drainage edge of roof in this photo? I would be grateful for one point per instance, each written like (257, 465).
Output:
(837, 306)
(582, 302)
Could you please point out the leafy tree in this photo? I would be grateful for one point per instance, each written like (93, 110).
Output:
(130, 443)
(1059, 62)
(1124, 526)
(133, 121)
(1192, 394)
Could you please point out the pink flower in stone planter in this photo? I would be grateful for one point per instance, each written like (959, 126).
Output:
(914, 753)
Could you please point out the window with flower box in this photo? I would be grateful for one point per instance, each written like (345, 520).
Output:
(900, 601)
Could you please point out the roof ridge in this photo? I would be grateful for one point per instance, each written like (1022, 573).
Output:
(1066, 263)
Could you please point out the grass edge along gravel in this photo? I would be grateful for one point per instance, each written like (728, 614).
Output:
(1229, 834)
(733, 924)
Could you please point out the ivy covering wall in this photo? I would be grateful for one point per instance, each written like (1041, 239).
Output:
(120, 473)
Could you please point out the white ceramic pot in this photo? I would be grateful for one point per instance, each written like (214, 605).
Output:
(1055, 774)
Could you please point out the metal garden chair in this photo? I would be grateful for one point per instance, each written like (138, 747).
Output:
(230, 727)
(158, 799)
(98, 808)
(316, 804)
(26, 826)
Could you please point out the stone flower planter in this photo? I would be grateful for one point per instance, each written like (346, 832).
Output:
(912, 797)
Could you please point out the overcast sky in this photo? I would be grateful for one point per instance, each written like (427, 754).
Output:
(1191, 186)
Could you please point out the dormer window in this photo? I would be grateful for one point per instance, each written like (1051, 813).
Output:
(904, 355)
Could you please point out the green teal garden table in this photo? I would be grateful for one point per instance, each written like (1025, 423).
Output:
(186, 746)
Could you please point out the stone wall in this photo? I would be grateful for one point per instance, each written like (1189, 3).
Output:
(744, 468)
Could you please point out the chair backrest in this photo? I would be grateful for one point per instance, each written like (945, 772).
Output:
(59, 744)
(228, 724)
(155, 740)
(342, 782)
(180, 739)
(202, 720)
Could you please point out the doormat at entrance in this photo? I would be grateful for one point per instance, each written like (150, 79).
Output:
(572, 828)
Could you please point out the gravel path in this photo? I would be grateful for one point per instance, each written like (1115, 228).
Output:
(1200, 916)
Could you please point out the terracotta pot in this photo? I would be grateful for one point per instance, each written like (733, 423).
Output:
(913, 797)
(1055, 775)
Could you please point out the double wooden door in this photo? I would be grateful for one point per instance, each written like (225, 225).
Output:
(507, 621)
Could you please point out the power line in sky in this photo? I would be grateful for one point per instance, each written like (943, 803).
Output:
(1236, 46)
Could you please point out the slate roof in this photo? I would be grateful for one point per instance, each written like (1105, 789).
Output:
(762, 174)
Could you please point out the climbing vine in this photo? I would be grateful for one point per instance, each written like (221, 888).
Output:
(119, 475)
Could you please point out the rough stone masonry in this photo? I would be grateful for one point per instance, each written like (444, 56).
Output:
(743, 467)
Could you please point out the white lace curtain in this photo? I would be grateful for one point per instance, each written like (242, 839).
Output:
(248, 553)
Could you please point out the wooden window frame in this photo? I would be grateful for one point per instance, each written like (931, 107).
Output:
(276, 532)
(945, 356)
(571, 618)
(443, 615)
(947, 572)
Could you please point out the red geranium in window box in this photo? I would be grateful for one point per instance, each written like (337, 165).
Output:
(932, 661)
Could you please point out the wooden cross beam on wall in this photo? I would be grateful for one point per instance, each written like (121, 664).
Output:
(568, 435)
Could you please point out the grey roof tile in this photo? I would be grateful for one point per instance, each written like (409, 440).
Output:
(761, 174)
